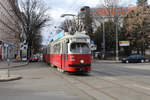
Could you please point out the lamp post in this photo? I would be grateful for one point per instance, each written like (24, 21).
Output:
(117, 16)
(104, 47)
(72, 24)
(117, 47)
(101, 19)
(67, 22)
(64, 15)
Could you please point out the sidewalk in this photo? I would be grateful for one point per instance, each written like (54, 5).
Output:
(105, 61)
(4, 64)
(4, 70)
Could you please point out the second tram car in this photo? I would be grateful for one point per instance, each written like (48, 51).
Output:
(71, 53)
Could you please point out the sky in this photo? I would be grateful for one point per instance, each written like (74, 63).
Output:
(59, 7)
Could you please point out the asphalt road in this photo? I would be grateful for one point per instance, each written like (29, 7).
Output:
(107, 81)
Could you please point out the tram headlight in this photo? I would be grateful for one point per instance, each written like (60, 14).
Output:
(81, 61)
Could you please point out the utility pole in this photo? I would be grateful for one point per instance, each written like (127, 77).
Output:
(117, 47)
(103, 55)
(116, 17)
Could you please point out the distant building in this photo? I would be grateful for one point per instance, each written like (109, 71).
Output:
(101, 15)
(111, 12)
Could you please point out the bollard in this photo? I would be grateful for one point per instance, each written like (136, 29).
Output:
(8, 62)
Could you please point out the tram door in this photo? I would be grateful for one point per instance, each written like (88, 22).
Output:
(64, 55)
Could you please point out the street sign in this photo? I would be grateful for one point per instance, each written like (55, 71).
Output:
(93, 47)
(124, 43)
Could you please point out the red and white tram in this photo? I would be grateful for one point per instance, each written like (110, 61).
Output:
(71, 53)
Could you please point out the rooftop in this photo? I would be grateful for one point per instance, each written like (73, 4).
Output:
(112, 12)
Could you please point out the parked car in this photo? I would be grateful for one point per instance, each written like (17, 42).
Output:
(134, 59)
(97, 55)
(34, 58)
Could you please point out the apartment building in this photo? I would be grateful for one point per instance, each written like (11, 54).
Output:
(8, 35)
(104, 14)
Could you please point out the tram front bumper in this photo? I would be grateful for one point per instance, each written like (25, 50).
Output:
(79, 67)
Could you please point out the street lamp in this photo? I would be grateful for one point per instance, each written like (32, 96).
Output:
(117, 47)
(104, 41)
(71, 23)
(117, 16)
(64, 15)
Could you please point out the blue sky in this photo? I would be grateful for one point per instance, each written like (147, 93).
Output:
(59, 7)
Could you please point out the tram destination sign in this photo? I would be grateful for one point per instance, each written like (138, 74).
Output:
(80, 40)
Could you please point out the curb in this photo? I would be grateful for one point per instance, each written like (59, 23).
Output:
(15, 66)
(11, 78)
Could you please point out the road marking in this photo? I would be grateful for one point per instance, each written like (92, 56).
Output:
(140, 86)
(110, 78)
(143, 67)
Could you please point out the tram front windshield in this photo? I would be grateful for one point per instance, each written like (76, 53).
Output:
(80, 48)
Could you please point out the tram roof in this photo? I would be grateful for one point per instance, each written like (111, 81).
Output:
(76, 35)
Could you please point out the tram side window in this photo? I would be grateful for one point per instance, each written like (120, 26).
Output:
(47, 50)
(52, 49)
(56, 49)
(65, 48)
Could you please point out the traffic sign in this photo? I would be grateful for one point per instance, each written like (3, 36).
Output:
(93, 47)
(124, 43)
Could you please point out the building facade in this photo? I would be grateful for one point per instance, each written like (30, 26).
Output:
(9, 36)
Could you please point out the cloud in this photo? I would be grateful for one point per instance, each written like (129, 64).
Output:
(127, 2)
(59, 7)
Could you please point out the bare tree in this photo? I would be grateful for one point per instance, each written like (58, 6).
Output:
(72, 25)
(65, 25)
(142, 2)
(33, 17)
(111, 8)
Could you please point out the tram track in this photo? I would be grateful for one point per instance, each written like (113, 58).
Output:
(125, 73)
(110, 73)
(118, 84)
(74, 81)
(63, 76)
(95, 88)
